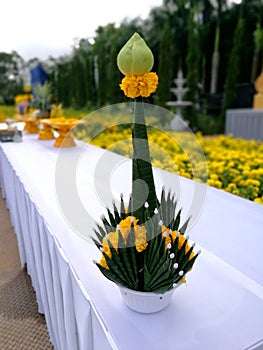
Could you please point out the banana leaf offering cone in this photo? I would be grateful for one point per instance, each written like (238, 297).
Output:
(143, 245)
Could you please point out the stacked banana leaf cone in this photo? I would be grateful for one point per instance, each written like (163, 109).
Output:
(167, 257)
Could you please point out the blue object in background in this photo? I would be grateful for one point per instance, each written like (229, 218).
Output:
(38, 76)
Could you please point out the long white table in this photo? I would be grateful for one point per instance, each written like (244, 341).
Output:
(55, 196)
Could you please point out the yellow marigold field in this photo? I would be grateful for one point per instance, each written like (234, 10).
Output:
(6, 112)
(233, 165)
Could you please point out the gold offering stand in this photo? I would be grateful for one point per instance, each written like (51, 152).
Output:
(63, 127)
(47, 132)
(258, 97)
(31, 126)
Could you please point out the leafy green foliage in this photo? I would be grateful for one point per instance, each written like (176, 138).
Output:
(43, 96)
(168, 212)
(230, 96)
(10, 82)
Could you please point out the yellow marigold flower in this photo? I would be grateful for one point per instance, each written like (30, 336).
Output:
(214, 177)
(231, 187)
(27, 88)
(214, 183)
(103, 262)
(141, 247)
(256, 173)
(258, 200)
(139, 85)
(125, 226)
(252, 182)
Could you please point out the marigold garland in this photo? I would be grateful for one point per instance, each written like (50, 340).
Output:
(139, 85)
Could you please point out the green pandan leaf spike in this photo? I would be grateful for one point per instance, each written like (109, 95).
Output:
(111, 218)
(142, 174)
(122, 208)
(117, 216)
(107, 226)
(184, 227)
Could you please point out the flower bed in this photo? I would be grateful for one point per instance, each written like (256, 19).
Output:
(234, 165)
(7, 112)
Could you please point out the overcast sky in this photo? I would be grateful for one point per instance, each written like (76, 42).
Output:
(48, 27)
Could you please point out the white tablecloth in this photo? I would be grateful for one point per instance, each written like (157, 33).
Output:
(55, 196)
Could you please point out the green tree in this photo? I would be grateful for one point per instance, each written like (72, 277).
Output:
(251, 12)
(216, 54)
(230, 96)
(62, 85)
(90, 75)
(193, 69)
(10, 80)
(165, 67)
(258, 48)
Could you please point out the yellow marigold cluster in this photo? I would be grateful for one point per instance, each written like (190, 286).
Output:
(125, 227)
(140, 238)
(23, 97)
(139, 85)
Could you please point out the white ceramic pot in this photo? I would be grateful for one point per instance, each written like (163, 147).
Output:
(146, 302)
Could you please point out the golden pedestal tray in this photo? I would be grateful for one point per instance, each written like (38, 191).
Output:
(47, 132)
(63, 127)
(31, 126)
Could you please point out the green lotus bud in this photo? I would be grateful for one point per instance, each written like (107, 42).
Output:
(135, 57)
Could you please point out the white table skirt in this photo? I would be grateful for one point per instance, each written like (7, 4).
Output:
(220, 307)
